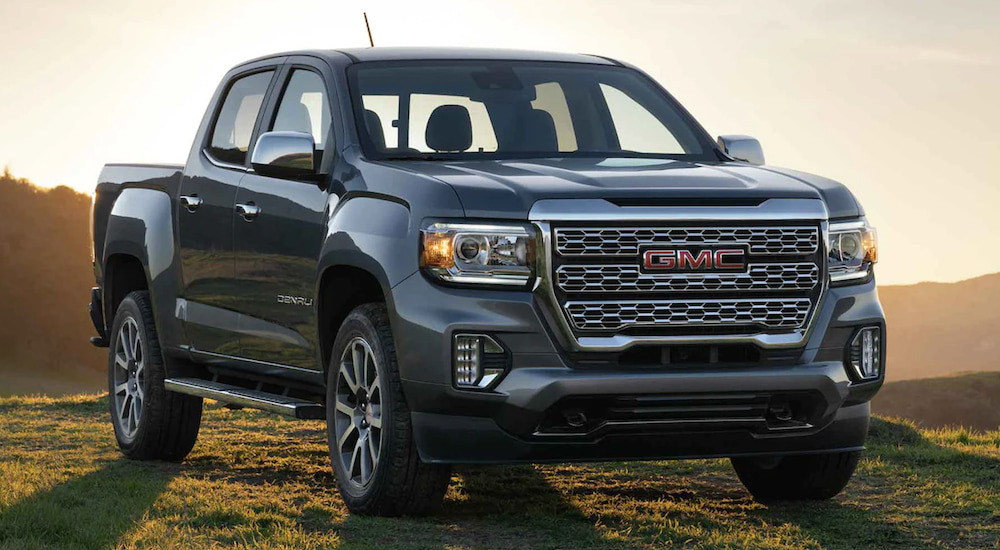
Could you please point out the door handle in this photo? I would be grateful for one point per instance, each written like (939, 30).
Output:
(190, 202)
(249, 211)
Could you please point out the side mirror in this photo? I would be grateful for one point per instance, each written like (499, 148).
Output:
(743, 148)
(290, 155)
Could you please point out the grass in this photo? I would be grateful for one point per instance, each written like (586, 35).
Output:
(260, 481)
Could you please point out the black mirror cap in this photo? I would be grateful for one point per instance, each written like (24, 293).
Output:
(288, 155)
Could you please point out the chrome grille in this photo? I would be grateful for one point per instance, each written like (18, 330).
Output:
(602, 288)
(628, 278)
(616, 241)
(773, 313)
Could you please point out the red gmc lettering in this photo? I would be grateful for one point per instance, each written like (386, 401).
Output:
(685, 260)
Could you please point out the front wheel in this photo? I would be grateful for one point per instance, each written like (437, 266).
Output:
(149, 421)
(371, 443)
(796, 477)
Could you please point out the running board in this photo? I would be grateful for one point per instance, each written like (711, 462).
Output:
(235, 395)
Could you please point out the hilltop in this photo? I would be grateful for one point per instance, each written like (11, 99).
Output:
(971, 400)
(942, 328)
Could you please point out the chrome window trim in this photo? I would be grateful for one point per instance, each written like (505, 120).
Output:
(583, 210)
(221, 164)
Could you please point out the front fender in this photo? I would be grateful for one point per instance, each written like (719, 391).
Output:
(141, 225)
(374, 234)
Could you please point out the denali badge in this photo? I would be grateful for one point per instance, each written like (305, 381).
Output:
(294, 300)
(684, 260)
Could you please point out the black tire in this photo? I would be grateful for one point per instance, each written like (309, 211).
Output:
(167, 423)
(796, 477)
(398, 483)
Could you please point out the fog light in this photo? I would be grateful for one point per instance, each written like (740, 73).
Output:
(479, 361)
(866, 353)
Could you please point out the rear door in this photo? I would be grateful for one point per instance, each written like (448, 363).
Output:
(207, 305)
(277, 251)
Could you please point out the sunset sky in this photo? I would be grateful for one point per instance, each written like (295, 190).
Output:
(900, 100)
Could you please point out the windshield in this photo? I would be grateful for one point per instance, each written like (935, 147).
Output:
(437, 110)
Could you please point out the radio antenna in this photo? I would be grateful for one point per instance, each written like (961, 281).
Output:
(367, 26)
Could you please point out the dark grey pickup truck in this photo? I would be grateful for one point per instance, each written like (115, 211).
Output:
(479, 256)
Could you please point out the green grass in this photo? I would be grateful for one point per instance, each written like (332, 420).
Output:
(260, 481)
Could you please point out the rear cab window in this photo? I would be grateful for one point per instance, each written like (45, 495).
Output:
(234, 124)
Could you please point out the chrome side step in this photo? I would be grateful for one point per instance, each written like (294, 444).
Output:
(235, 395)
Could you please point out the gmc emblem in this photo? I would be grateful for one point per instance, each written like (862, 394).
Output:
(706, 259)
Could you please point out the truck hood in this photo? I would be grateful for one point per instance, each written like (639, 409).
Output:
(507, 189)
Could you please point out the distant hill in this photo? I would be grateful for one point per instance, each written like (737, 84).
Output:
(969, 400)
(936, 329)
(45, 280)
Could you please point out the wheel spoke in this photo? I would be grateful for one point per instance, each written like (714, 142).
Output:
(372, 451)
(121, 388)
(124, 339)
(377, 418)
(355, 457)
(138, 388)
(342, 442)
(366, 468)
(121, 361)
(126, 407)
(357, 361)
(136, 409)
(344, 408)
(347, 373)
(134, 331)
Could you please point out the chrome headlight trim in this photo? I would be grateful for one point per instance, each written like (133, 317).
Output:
(851, 270)
(504, 258)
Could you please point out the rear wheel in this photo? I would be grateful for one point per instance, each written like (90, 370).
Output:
(149, 421)
(368, 424)
(796, 477)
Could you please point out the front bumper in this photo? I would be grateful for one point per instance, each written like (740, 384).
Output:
(675, 411)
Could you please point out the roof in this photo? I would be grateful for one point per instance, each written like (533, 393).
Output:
(408, 54)
(360, 55)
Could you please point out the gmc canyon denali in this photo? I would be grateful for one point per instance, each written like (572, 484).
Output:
(480, 256)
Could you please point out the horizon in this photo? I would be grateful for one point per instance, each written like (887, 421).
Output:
(895, 100)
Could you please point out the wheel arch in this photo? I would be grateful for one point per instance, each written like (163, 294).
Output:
(342, 288)
(140, 240)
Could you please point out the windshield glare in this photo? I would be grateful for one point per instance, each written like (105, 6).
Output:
(481, 110)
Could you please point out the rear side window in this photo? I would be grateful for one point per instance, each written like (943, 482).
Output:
(234, 125)
(304, 108)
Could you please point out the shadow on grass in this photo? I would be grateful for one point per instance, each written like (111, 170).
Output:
(91, 511)
(496, 507)
(904, 454)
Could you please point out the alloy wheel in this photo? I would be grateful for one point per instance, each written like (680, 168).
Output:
(130, 376)
(358, 412)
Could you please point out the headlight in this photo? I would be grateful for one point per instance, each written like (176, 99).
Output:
(478, 254)
(852, 251)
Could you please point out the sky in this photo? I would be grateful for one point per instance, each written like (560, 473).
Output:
(899, 100)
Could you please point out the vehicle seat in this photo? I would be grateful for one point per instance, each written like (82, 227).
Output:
(374, 126)
(536, 133)
(449, 129)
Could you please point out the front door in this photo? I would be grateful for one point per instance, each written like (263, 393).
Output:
(207, 305)
(277, 250)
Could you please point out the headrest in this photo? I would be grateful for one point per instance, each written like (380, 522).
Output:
(374, 126)
(298, 119)
(449, 129)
